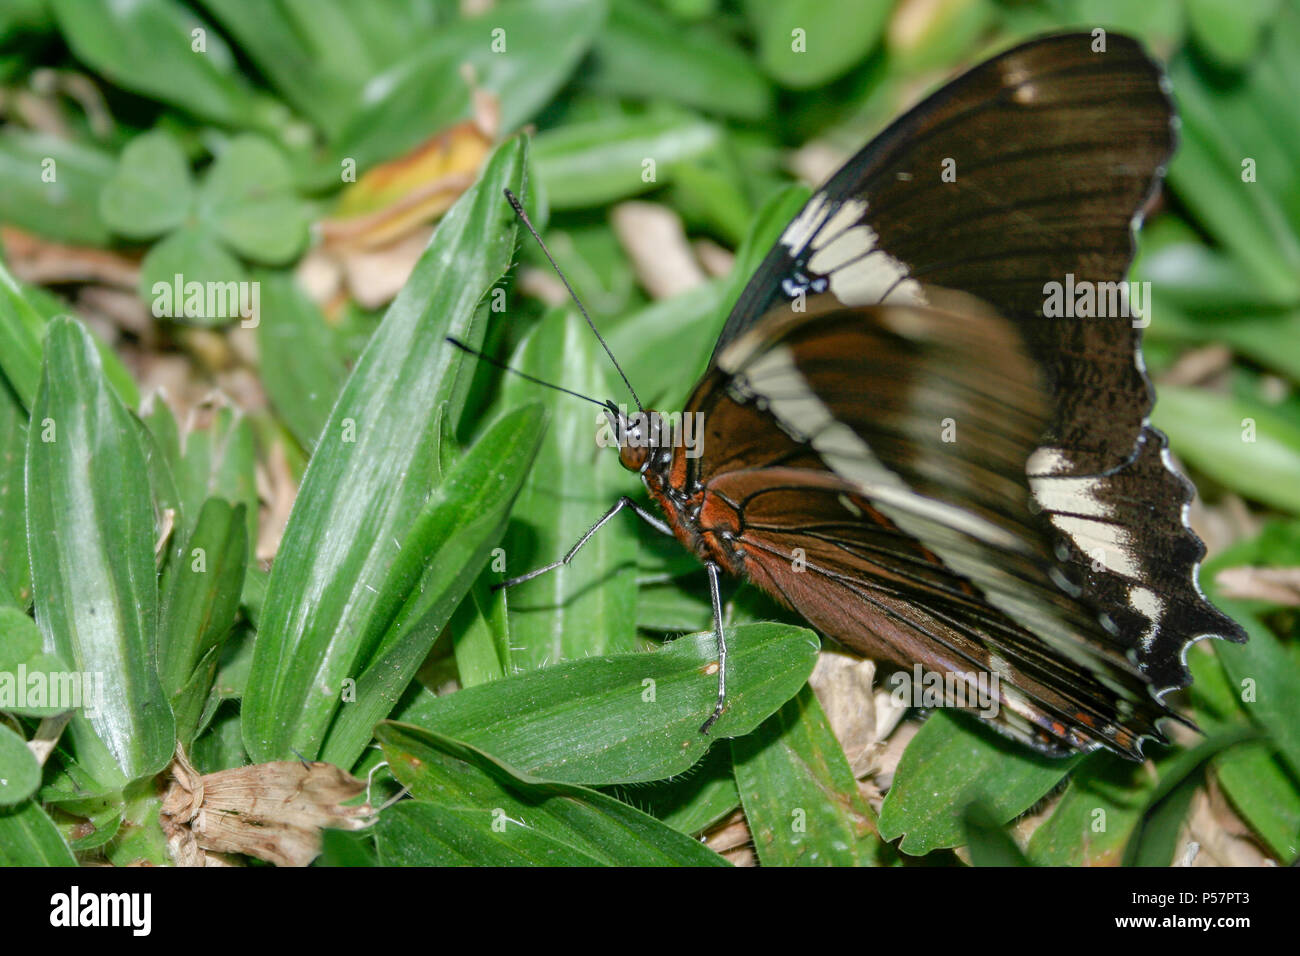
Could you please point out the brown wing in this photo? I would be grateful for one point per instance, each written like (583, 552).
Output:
(868, 465)
(1033, 168)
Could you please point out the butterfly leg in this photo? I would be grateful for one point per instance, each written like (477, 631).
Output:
(716, 594)
(624, 502)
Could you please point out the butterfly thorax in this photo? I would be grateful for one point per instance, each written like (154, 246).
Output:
(704, 523)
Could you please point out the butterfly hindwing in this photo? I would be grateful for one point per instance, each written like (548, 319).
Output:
(849, 497)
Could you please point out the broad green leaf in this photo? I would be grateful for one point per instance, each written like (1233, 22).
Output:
(200, 591)
(189, 276)
(301, 368)
(627, 718)
(1266, 794)
(1096, 815)
(476, 810)
(29, 838)
(950, 764)
(90, 533)
(800, 797)
(642, 54)
(1240, 443)
(597, 162)
(589, 605)
(692, 801)
(20, 774)
(43, 306)
(803, 45)
(522, 52)
(347, 848)
(20, 638)
(148, 47)
(675, 607)
(328, 600)
(247, 199)
(415, 833)
(52, 186)
(445, 550)
(151, 190)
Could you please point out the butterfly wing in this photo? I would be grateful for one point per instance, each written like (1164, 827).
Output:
(1033, 168)
(867, 467)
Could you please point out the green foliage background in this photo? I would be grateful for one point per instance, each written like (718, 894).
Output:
(571, 739)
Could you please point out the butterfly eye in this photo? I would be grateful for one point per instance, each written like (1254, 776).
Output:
(634, 449)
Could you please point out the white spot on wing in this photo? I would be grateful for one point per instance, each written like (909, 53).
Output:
(1047, 461)
(844, 248)
(1073, 495)
(875, 278)
(1108, 542)
(845, 217)
(806, 224)
(1151, 606)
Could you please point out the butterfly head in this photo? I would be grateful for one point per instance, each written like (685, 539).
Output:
(640, 434)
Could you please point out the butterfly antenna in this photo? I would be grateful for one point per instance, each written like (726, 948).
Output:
(519, 211)
(536, 381)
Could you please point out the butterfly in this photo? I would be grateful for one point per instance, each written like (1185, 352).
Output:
(925, 422)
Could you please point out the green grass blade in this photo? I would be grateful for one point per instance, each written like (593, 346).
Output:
(448, 545)
(90, 530)
(21, 328)
(15, 568)
(201, 587)
(327, 600)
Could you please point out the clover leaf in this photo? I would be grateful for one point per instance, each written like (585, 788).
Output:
(245, 207)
